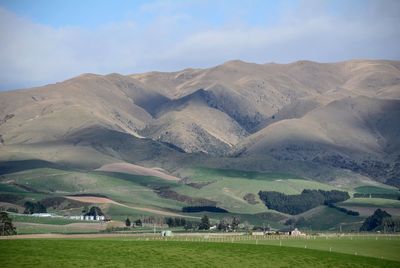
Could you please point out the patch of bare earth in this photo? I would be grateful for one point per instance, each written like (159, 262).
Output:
(103, 200)
(128, 168)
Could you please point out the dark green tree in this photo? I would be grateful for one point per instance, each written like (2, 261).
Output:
(235, 222)
(138, 222)
(223, 225)
(204, 223)
(375, 220)
(170, 222)
(6, 226)
(34, 207)
(188, 226)
(94, 211)
(85, 210)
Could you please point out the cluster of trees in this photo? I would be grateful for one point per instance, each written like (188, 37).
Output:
(204, 223)
(34, 207)
(6, 226)
(228, 224)
(204, 208)
(345, 210)
(93, 211)
(175, 222)
(375, 221)
(225, 224)
(296, 204)
(191, 225)
(137, 223)
(391, 225)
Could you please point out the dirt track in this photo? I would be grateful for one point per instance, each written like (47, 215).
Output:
(103, 200)
(137, 170)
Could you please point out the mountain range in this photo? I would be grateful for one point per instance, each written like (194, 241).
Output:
(334, 122)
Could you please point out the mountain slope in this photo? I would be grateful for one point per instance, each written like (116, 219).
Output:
(359, 134)
(343, 115)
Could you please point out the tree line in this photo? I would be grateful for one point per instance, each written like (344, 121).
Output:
(345, 210)
(194, 209)
(296, 204)
(225, 224)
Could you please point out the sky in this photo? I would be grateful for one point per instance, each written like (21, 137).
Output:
(47, 41)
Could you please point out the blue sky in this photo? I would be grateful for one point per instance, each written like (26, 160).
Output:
(48, 41)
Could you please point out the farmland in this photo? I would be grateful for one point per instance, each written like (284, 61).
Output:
(145, 252)
(135, 196)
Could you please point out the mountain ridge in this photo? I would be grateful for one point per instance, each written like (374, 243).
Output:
(321, 113)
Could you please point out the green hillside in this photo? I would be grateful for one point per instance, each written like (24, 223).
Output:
(134, 194)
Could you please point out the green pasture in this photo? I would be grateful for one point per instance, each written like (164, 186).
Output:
(376, 190)
(228, 187)
(371, 202)
(131, 253)
(41, 220)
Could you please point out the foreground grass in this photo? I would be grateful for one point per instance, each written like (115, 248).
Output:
(130, 253)
(385, 247)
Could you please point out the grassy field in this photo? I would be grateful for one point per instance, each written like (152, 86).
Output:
(122, 188)
(26, 228)
(131, 253)
(228, 187)
(372, 202)
(376, 190)
(325, 218)
(41, 220)
(372, 246)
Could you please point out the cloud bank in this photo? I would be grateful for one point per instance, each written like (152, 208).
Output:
(33, 54)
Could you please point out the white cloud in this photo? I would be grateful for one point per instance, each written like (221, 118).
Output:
(35, 54)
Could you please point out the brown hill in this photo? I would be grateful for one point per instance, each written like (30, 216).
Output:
(344, 115)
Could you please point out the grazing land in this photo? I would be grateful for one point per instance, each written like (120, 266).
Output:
(128, 253)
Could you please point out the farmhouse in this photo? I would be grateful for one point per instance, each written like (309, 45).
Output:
(296, 232)
(290, 231)
(87, 218)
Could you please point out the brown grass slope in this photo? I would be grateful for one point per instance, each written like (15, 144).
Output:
(342, 114)
(360, 134)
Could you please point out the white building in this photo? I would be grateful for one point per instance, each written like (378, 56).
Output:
(166, 233)
(85, 218)
(296, 232)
